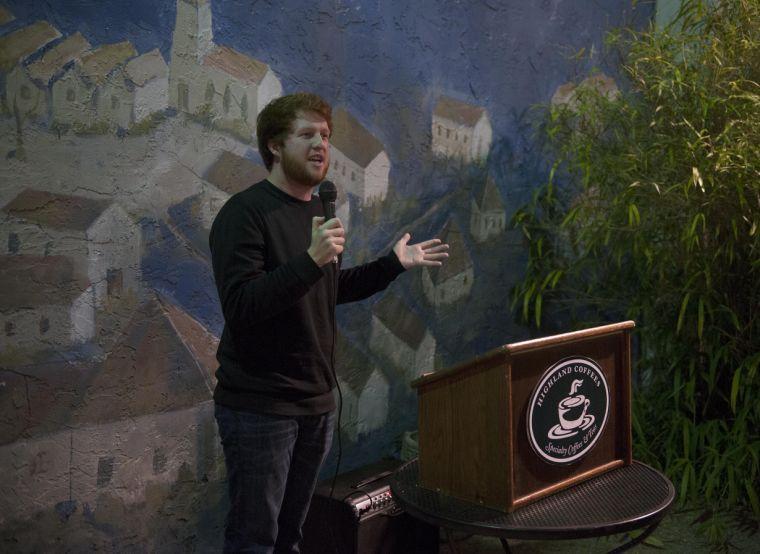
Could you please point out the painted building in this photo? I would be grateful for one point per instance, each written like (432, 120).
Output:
(19, 45)
(111, 429)
(101, 238)
(147, 79)
(567, 93)
(190, 220)
(94, 91)
(191, 217)
(399, 335)
(75, 85)
(364, 388)
(359, 163)
(45, 302)
(29, 86)
(343, 207)
(228, 175)
(231, 173)
(453, 280)
(461, 130)
(488, 218)
(211, 80)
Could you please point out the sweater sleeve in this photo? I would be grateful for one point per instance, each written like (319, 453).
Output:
(362, 281)
(248, 294)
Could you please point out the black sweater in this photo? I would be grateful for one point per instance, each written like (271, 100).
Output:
(274, 354)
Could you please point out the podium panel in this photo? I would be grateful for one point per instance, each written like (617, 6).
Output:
(528, 419)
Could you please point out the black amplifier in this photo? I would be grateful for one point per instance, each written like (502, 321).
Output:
(362, 517)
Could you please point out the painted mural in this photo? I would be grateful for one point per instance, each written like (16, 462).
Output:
(125, 128)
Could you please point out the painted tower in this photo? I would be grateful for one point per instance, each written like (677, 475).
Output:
(191, 41)
(216, 83)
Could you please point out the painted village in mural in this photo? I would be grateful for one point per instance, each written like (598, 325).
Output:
(116, 160)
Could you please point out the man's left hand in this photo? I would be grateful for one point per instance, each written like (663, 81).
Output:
(428, 253)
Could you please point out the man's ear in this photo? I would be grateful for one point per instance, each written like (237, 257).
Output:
(274, 148)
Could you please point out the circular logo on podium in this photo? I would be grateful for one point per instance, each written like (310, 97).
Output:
(568, 410)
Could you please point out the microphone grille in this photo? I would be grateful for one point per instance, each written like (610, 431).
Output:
(328, 191)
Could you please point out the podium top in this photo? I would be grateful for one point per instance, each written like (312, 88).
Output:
(503, 352)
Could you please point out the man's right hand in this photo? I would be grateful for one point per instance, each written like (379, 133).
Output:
(327, 240)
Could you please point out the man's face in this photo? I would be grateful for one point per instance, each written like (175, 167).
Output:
(305, 154)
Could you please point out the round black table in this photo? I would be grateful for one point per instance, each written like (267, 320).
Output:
(620, 500)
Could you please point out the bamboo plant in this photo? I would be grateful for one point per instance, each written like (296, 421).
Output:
(652, 212)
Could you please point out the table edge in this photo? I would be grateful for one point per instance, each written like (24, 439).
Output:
(548, 533)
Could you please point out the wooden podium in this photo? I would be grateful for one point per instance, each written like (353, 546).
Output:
(528, 419)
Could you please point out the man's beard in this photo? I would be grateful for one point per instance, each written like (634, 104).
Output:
(296, 171)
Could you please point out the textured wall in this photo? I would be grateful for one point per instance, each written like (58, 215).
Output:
(123, 146)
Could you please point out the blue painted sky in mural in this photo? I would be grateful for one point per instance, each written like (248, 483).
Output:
(383, 59)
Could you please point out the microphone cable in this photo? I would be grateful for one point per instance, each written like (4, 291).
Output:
(328, 194)
(337, 427)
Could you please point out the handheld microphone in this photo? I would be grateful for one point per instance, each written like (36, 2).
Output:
(328, 194)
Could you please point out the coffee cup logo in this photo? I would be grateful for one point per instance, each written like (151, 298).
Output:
(572, 415)
(568, 410)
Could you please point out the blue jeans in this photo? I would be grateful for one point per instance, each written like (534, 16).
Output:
(272, 468)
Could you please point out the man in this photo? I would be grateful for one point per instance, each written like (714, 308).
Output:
(274, 264)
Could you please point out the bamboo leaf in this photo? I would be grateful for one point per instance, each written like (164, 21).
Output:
(549, 277)
(753, 499)
(676, 386)
(735, 382)
(697, 177)
(570, 217)
(700, 317)
(753, 362)
(633, 215)
(699, 218)
(637, 426)
(735, 320)
(684, 489)
(527, 295)
(649, 541)
(684, 304)
(654, 542)
(555, 280)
